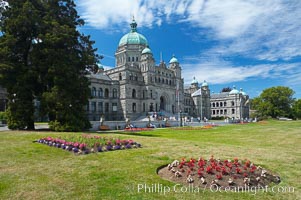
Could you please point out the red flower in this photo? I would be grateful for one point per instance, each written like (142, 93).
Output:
(219, 176)
(209, 170)
(238, 170)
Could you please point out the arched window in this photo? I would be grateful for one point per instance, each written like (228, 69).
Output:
(120, 76)
(233, 111)
(225, 104)
(232, 103)
(213, 104)
(133, 93)
(136, 59)
(169, 82)
(93, 92)
(129, 59)
(221, 104)
(134, 107)
(114, 93)
(133, 59)
(106, 93)
(100, 93)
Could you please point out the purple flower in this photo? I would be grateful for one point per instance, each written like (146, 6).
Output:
(109, 147)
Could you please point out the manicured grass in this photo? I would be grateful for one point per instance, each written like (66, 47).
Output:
(34, 171)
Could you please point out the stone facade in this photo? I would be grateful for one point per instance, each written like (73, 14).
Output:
(137, 87)
(142, 87)
(234, 104)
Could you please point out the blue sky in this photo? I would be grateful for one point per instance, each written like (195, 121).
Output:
(252, 44)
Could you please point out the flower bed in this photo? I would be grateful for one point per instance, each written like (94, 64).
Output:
(138, 129)
(85, 144)
(223, 174)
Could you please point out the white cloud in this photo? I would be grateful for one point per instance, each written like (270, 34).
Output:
(265, 30)
(222, 72)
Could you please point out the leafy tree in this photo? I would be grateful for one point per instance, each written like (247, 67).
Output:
(274, 102)
(297, 109)
(43, 57)
(226, 89)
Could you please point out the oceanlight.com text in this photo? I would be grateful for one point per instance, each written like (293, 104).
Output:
(178, 188)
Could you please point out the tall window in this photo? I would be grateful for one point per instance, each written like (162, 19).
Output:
(134, 107)
(151, 94)
(93, 106)
(225, 104)
(93, 92)
(143, 107)
(100, 107)
(233, 111)
(106, 93)
(114, 107)
(134, 93)
(106, 107)
(232, 103)
(115, 93)
(100, 93)
(120, 76)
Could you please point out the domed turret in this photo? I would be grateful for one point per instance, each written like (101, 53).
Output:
(242, 92)
(173, 60)
(204, 84)
(147, 50)
(133, 37)
(100, 67)
(234, 91)
(194, 81)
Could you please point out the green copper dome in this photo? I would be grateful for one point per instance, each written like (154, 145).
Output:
(133, 37)
(100, 66)
(147, 50)
(204, 84)
(173, 60)
(194, 81)
(234, 91)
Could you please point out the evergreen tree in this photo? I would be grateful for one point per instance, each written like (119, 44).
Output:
(57, 60)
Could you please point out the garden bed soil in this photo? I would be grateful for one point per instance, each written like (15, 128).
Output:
(247, 177)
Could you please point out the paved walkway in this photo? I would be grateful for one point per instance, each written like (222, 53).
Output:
(37, 126)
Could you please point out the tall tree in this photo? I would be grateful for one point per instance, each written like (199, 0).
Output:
(58, 57)
(274, 102)
(297, 109)
(17, 74)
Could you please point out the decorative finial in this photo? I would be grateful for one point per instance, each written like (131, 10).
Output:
(133, 25)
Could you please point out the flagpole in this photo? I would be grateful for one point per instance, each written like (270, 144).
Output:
(178, 97)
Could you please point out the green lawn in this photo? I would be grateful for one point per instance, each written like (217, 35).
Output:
(34, 171)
